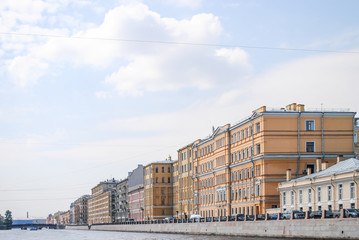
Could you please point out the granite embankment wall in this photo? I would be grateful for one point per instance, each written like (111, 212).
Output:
(310, 228)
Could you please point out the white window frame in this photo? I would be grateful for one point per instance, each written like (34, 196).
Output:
(310, 142)
(309, 120)
(352, 190)
(329, 193)
(340, 191)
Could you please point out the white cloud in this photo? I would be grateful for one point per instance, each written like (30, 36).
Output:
(185, 3)
(26, 70)
(148, 66)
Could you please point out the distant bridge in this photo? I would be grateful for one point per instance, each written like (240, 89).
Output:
(38, 226)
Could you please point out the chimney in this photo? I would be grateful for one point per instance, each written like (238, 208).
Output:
(289, 174)
(169, 157)
(339, 158)
(309, 171)
(319, 164)
(300, 107)
(324, 165)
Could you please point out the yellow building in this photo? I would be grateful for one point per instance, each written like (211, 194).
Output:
(101, 207)
(330, 188)
(238, 167)
(158, 194)
(184, 190)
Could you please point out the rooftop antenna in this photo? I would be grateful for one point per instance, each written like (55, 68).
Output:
(321, 107)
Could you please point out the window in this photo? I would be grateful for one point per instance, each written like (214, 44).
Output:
(309, 125)
(309, 195)
(246, 132)
(340, 191)
(169, 180)
(163, 180)
(258, 148)
(163, 169)
(300, 196)
(319, 194)
(251, 130)
(169, 169)
(258, 127)
(284, 198)
(329, 190)
(156, 169)
(352, 190)
(291, 197)
(156, 179)
(310, 146)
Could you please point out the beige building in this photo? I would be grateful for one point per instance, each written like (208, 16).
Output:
(175, 189)
(238, 167)
(101, 207)
(330, 188)
(158, 194)
(80, 213)
(184, 183)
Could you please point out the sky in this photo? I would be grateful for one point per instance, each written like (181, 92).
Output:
(89, 89)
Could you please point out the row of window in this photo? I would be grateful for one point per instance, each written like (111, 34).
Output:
(237, 194)
(319, 194)
(245, 133)
(244, 153)
(156, 180)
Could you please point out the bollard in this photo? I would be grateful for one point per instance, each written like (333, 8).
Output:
(342, 215)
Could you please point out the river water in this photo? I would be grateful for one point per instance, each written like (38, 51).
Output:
(52, 234)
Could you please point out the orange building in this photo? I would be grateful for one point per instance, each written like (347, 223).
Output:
(158, 194)
(238, 167)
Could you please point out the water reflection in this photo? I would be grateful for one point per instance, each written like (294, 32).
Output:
(52, 234)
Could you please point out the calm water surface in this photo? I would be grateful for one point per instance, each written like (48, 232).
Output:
(51, 234)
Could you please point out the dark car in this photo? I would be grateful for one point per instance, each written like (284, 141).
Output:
(318, 214)
(240, 217)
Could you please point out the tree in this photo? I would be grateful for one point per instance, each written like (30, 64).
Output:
(8, 218)
(1, 220)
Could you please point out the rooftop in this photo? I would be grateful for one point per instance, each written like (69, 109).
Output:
(349, 165)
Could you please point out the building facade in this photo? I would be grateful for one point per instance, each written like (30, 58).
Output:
(101, 207)
(135, 194)
(330, 188)
(158, 194)
(80, 215)
(122, 207)
(238, 167)
(184, 183)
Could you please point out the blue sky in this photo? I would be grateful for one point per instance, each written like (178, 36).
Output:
(77, 108)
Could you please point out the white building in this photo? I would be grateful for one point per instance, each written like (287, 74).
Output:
(330, 188)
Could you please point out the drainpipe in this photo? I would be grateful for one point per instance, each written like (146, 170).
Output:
(334, 192)
(323, 154)
(298, 160)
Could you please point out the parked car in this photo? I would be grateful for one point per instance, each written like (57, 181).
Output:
(348, 213)
(318, 214)
(240, 217)
(195, 217)
(250, 217)
(261, 217)
(296, 214)
(168, 220)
